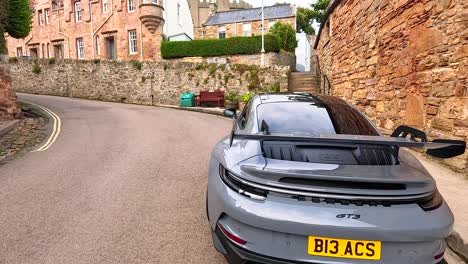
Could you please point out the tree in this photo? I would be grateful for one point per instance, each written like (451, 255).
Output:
(15, 19)
(307, 16)
(286, 35)
(304, 21)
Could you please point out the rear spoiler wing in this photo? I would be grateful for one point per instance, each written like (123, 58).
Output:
(440, 148)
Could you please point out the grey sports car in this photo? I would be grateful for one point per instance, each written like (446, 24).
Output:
(309, 179)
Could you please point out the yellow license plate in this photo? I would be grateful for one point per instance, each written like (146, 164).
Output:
(344, 248)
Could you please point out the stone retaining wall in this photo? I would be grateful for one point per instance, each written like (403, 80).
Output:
(139, 83)
(8, 106)
(402, 62)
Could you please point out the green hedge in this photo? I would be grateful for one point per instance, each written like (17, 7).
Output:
(218, 47)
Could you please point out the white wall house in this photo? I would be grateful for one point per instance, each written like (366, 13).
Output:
(303, 52)
(178, 24)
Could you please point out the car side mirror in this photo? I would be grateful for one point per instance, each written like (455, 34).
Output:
(230, 113)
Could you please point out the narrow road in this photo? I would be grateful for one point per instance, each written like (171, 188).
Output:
(121, 184)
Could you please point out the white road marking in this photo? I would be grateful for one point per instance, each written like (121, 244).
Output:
(56, 128)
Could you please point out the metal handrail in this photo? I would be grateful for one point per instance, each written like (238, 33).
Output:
(323, 81)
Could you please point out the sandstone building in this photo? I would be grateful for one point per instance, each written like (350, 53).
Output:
(246, 22)
(89, 29)
(401, 62)
(202, 9)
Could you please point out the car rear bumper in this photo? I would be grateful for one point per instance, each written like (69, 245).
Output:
(278, 228)
(239, 255)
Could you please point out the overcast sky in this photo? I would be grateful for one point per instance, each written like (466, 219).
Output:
(257, 3)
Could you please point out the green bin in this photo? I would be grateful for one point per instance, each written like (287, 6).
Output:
(187, 100)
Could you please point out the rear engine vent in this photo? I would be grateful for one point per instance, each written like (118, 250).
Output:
(347, 155)
(344, 184)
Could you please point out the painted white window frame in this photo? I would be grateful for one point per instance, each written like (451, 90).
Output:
(47, 16)
(78, 10)
(132, 42)
(104, 6)
(271, 23)
(247, 32)
(221, 29)
(40, 17)
(19, 51)
(79, 48)
(131, 6)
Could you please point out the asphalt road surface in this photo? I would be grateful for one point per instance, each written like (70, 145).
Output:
(121, 184)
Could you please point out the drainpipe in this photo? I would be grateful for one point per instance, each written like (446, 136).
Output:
(141, 35)
(107, 19)
(141, 41)
(60, 32)
(92, 34)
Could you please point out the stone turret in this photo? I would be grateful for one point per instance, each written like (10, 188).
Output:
(152, 15)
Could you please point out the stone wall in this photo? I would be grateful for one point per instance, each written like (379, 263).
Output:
(154, 83)
(271, 59)
(402, 62)
(8, 106)
(237, 30)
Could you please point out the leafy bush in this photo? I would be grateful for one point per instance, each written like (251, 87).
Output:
(13, 60)
(97, 61)
(286, 35)
(246, 97)
(218, 47)
(137, 65)
(232, 96)
(36, 68)
(52, 61)
(274, 88)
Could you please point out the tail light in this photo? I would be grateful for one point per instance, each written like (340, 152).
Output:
(433, 202)
(232, 237)
(239, 187)
(439, 256)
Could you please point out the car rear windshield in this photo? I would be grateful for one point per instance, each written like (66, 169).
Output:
(325, 116)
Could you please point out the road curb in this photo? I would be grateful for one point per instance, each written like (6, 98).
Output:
(215, 111)
(12, 124)
(457, 245)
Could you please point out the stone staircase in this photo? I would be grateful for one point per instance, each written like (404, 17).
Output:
(306, 82)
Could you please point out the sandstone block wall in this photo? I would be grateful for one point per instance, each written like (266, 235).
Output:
(8, 106)
(154, 83)
(236, 29)
(402, 62)
(271, 59)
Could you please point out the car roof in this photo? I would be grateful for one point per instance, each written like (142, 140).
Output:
(286, 97)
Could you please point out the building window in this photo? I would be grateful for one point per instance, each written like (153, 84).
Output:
(58, 51)
(104, 6)
(98, 47)
(78, 11)
(40, 17)
(79, 48)
(271, 23)
(131, 5)
(48, 50)
(19, 52)
(57, 4)
(247, 30)
(178, 14)
(132, 42)
(221, 32)
(47, 17)
(43, 50)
